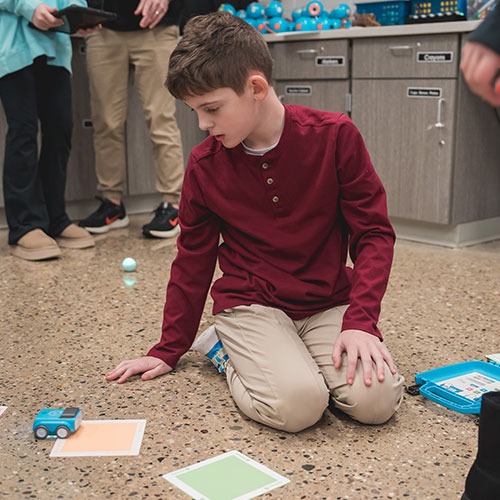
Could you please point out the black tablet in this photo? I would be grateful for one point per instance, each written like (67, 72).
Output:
(76, 17)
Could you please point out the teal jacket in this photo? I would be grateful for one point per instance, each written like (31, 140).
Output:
(20, 44)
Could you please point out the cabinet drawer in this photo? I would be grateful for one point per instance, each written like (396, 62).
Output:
(318, 59)
(433, 56)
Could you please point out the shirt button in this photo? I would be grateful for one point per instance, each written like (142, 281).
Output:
(265, 166)
(275, 199)
(270, 181)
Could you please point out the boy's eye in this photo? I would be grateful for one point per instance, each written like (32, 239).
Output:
(211, 110)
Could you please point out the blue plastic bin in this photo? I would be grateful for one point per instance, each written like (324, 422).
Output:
(461, 386)
(387, 13)
(426, 7)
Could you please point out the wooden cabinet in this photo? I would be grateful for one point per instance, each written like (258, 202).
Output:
(429, 138)
(434, 144)
(413, 156)
(312, 73)
(476, 165)
(81, 180)
(403, 102)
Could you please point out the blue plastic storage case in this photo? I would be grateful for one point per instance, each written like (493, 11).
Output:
(460, 386)
(387, 13)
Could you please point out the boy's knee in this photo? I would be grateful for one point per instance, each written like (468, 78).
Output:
(300, 408)
(375, 404)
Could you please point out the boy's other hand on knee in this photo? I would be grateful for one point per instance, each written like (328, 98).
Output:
(368, 348)
(149, 366)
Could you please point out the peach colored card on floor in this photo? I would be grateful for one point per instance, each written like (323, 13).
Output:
(98, 438)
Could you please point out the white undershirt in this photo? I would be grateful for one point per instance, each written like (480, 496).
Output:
(258, 152)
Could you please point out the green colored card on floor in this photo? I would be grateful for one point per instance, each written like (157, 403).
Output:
(230, 476)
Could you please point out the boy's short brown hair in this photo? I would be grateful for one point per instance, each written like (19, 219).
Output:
(216, 50)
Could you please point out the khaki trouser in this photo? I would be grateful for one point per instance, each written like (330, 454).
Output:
(280, 372)
(109, 56)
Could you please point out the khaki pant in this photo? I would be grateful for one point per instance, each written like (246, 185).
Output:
(109, 57)
(281, 373)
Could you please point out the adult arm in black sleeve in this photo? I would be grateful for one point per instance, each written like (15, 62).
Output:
(488, 32)
(480, 62)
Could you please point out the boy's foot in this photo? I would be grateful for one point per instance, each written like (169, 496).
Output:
(108, 216)
(165, 223)
(35, 245)
(75, 237)
(209, 344)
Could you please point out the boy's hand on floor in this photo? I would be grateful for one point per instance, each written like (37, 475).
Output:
(149, 366)
(368, 348)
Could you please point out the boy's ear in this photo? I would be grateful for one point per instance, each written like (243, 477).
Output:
(259, 85)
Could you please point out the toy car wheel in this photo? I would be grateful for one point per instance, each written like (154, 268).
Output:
(41, 432)
(62, 432)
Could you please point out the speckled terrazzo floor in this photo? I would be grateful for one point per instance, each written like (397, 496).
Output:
(65, 323)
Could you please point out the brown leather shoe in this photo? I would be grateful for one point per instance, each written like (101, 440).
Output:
(35, 245)
(75, 237)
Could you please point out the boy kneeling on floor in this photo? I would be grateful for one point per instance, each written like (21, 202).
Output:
(290, 190)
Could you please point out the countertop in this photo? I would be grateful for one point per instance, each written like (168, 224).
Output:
(377, 31)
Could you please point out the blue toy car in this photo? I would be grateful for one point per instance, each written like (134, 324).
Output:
(60, 422)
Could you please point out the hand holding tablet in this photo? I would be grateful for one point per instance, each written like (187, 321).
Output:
(77, 18)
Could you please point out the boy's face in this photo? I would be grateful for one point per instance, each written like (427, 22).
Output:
(228, 117)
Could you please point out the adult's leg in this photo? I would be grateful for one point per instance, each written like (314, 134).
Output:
(56, 121)
(150, 52)
(24, 202)
(272, 377)
(370, 405)
(108, 70)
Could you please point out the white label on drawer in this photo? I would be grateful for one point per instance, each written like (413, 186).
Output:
(298, 90)
(330, 61)
(424, 92)
(434, 57)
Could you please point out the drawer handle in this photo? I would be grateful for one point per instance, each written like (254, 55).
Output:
(307, 52)
(400, 49)
(403, 49)
(439, 117)
(439, 123)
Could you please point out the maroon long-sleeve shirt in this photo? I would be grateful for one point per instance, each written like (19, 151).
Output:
(286, 220)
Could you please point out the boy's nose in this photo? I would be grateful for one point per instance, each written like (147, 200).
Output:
(204, 124)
